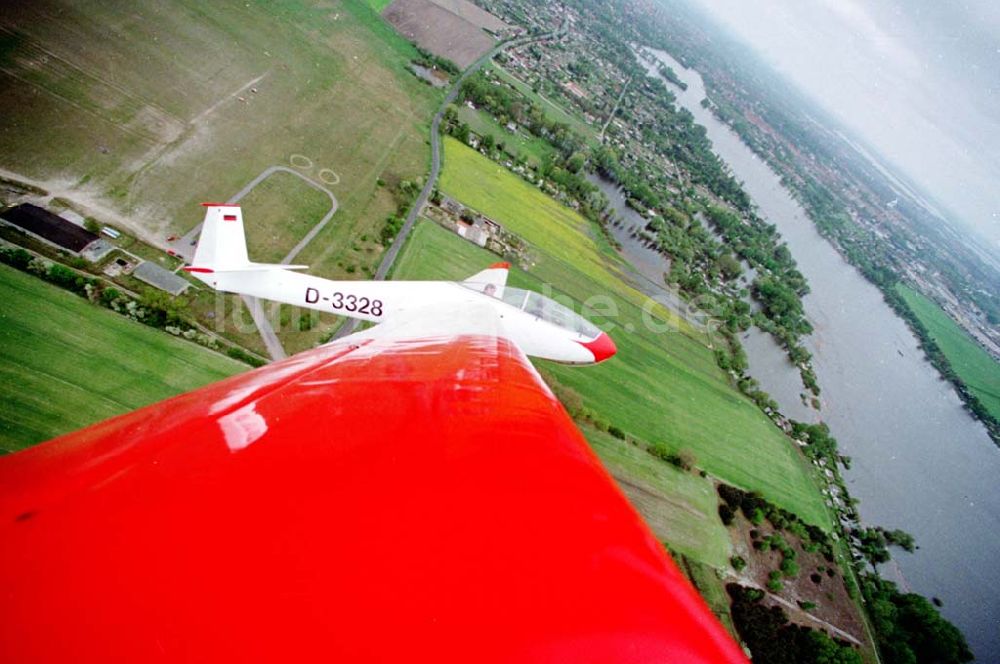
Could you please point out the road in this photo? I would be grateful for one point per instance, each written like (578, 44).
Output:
(614, 111)
(390, 256)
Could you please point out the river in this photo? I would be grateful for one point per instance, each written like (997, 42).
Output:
(920, 461)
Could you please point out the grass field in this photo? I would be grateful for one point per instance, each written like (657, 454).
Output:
(973, 364)
(205, 96)
(711, 588)
(65, 363)
(278, 213)
(660, 387)
(680, 507)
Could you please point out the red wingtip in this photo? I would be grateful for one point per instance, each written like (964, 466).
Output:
(203, 270)
(602, 347)
(500, 266)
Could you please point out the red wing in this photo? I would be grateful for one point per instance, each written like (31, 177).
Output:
(398, 501)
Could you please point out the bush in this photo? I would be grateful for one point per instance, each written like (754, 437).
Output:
(789, 568)
(726, 514)
(243, 356)
(570, 398)
(616, 432)
(730, 494)
(18, 258)
(685, 459)
(738, 563)
(393, 224)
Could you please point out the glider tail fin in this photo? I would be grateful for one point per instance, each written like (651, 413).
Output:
(223, 242)
(222, 246)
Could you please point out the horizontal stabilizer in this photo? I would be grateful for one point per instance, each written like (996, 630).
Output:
(249, 267)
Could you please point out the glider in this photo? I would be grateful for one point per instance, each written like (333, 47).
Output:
(413, 492)
(483, 303)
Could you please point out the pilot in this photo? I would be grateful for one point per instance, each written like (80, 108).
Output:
(490, 290)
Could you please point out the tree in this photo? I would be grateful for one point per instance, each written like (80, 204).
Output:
(729, 266)
(789, 568)
(909, 629)
(900, 538)
(726, 514)
(575, 163)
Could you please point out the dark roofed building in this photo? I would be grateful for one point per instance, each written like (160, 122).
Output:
(48, 227)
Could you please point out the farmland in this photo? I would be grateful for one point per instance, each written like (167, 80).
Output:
(439, 30)
(65, 363)
(203, 98)
(973, 364)
(661, 388)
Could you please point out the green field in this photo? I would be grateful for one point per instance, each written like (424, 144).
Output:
(203, 98)
(378, 5)
(680, 507)
(711, 588)
(662, 387)
(969, 360)
(65, 363)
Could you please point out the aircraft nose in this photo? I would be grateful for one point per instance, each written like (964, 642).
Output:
(602, 347)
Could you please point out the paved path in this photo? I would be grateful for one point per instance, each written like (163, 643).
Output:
(390, 256)
(614, 111)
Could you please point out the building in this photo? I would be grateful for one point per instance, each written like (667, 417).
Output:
(48, 227)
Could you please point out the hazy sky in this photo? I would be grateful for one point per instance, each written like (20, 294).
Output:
(918, 80)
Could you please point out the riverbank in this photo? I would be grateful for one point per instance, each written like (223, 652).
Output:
(892, 414)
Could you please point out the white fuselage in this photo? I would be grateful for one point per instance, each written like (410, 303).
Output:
(422, 304)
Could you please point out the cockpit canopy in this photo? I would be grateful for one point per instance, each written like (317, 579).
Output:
(545, 308)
